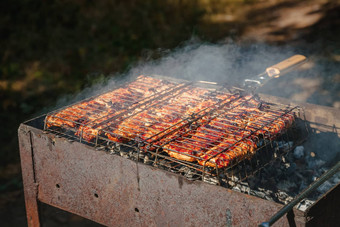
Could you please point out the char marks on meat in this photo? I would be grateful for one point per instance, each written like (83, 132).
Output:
(194, 124)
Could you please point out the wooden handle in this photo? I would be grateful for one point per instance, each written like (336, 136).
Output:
(285, 66)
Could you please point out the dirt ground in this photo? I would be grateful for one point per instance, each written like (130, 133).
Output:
(48, 51)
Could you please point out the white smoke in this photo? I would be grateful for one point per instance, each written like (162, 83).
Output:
(229, 62)
(223, 63)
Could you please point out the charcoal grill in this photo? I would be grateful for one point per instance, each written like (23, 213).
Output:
(136, 182)
(175, 120)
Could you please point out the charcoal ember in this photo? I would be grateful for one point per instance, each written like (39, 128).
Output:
(184, 170)
(189, 173)
(268, 197)
(287, 165)
(299, 152)
(283, 145)
(163, 164)
(234, 178)
(210, 180)
(222, 176)
(100, 148)
(258, 193)
(286, 185)
(322, 170)
(111, 151)
(275, 154)
(116, 147)
(282, 196)
(133, 156)
(110, 145)
(304, 204)
(271, 184)
(140, 156)
(288, 200)
(236, 188)
(124, 154)
(147, 160)
(314, 177)
(192, 176)
(245, 189)
(261, 189)
(231, 183)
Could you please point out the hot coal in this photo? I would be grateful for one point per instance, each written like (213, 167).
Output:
(286, 178)
(299, 152)
(280, 181)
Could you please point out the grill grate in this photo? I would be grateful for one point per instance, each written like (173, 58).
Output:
(214, 134)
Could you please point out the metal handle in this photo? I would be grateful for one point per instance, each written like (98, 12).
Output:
(302, 195)
(285, 66)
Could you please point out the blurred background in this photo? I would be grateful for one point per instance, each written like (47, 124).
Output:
(52, 50)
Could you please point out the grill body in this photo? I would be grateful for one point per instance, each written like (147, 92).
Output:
(216, 133)
(116, 191)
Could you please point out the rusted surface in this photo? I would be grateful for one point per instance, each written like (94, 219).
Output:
(115, 191)
(325, 211)
(28, 176)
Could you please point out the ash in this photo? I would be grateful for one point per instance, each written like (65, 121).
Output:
(289, 176)
(281, 181)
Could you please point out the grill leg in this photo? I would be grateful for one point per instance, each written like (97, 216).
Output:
(28, 177)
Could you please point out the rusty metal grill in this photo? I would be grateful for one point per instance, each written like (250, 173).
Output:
(195, 129)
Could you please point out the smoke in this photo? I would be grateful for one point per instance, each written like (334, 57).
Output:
(225, 63)
(229, 62)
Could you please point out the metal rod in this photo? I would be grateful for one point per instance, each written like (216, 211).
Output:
(302, 195)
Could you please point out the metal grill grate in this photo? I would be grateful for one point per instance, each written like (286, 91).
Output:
(214, 134)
